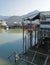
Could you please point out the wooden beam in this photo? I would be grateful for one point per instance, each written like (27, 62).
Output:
(27, 61)
(34, 56)
(39, 52)
(46, 60)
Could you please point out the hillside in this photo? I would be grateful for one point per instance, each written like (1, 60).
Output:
(4, 17)
(14, 19)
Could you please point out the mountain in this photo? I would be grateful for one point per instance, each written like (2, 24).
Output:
(4, 17)
(14, 19)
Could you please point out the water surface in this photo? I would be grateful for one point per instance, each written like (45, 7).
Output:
(9, 42)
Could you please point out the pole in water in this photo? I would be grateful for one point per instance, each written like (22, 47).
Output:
(15, 58)
(25, 44)
(23, 35)
(35, 34)
(30, 34)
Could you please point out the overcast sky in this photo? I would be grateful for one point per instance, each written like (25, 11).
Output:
(21, 7)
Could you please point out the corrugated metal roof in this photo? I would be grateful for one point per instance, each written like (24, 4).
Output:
(31, 15)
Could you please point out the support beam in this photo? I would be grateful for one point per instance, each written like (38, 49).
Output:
(35, 35)
(30, 34)
(27, 61)
(25, 44)
(38, 52)
(23, 35)
(46, 60)
(30, 38)
(34, 56)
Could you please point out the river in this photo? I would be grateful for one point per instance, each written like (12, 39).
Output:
(9, 43)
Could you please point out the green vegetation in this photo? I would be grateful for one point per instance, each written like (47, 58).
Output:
(15, 30)
(0, 25)
(0, 28)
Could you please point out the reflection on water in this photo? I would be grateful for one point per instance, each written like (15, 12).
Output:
(9, 42)
(0, 30)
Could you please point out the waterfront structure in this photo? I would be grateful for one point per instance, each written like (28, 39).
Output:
(39, 54)
(43, 37)
(42, 25)
(44, 29)
(3, 24)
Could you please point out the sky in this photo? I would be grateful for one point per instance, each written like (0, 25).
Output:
(22, 7)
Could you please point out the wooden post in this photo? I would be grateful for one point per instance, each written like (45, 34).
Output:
(30, 38)
(25, 44)
(48, 42)
(30, 34)
(23, 35)
(35, 34)
(15, 58)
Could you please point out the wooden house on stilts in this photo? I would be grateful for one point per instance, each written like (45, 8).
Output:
(42, 46)
(39, 54)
